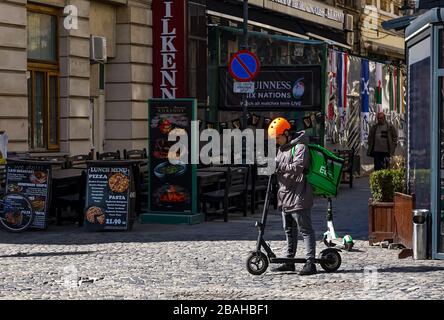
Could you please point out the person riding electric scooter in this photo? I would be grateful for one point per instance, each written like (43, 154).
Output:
(295, 195)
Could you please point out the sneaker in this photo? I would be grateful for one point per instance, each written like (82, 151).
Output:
(285, 267)
(308, 269)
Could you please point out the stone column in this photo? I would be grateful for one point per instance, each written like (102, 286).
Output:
(129, 78)
(75, 128)
(13, 67)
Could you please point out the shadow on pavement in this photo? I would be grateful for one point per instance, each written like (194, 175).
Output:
(46, 254)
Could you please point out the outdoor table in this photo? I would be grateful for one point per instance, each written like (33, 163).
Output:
(253, 172)
(206, 177)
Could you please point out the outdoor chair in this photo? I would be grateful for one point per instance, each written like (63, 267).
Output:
(135, 154)
(71, 196)
(260, 187)
(108, 155)
(142, 179)
(347, 169)
(235, 188)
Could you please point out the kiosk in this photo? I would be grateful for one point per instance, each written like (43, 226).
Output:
(425, 174)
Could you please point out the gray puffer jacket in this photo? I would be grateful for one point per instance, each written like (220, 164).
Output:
(295, 193)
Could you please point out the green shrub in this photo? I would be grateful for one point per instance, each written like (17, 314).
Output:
(384, 184)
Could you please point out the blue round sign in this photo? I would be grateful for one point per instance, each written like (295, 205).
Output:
(244, 66)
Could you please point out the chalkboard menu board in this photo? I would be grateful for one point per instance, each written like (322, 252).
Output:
(32, 179)
(172, 180)
(109, 196)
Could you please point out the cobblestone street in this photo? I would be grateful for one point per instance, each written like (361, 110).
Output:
(206, 261)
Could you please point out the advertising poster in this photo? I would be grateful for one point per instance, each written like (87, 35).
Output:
(33, 181)
(283, 88)
(172, 180)
(108, 197)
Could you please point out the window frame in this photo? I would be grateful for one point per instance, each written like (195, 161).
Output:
(50, 69)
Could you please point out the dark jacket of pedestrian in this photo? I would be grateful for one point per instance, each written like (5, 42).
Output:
(295, 193)
(392, 138)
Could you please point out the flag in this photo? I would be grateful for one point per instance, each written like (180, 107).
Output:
(364, 99)
(378, 89)
(402, 91)
(394, 89)
(342, 81)
(331, 84)
(398, 89)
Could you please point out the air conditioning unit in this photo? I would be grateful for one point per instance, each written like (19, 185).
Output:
(98, 49)
(348, 22)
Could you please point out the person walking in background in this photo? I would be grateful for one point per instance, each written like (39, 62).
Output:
(382, 142)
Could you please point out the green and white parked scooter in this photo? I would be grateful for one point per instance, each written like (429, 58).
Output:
(330, 235)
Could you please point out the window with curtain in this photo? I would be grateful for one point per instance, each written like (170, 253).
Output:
(43, 79)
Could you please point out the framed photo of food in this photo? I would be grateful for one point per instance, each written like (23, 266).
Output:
(172, 187)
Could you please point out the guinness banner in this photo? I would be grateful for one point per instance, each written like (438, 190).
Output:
(284, 88)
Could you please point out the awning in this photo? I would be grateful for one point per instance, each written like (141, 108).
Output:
(255, 14)
(279, 21)
(398, 23)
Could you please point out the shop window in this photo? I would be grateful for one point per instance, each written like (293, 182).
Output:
(197, 51)
(42, 37)
(43, 79)
(441, 48)
(384, 5)
(441, 202)
(419, 123)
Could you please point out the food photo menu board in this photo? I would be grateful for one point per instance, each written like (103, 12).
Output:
(109, 196)
(172, 180)
(33, 180)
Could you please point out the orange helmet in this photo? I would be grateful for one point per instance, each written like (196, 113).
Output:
(278, 126)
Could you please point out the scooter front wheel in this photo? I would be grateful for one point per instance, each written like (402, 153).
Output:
(257, 263)
(330, 260)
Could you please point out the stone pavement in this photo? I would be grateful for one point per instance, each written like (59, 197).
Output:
(206, 261)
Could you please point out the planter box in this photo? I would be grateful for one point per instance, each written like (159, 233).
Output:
(381, 221)
(404, 205)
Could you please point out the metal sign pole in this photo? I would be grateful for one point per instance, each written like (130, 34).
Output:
(245, 47)
(244, 95)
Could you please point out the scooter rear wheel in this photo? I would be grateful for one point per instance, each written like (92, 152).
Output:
(257, 263)
(330, 260)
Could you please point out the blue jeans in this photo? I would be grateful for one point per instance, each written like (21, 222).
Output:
(301, 220)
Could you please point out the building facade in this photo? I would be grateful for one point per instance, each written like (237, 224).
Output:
(375, 41)
(57, 94)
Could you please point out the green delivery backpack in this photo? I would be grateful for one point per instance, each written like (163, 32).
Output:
(324, 172)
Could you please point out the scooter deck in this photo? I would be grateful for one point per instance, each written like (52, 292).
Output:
(292, 260)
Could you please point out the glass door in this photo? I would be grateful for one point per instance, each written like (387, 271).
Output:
(440, 218)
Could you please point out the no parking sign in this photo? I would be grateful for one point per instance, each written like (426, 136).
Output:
(244, 66)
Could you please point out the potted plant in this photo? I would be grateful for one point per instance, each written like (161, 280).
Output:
(381, 211)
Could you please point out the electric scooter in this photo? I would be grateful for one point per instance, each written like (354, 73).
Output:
(330, 235)
(257, 261)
